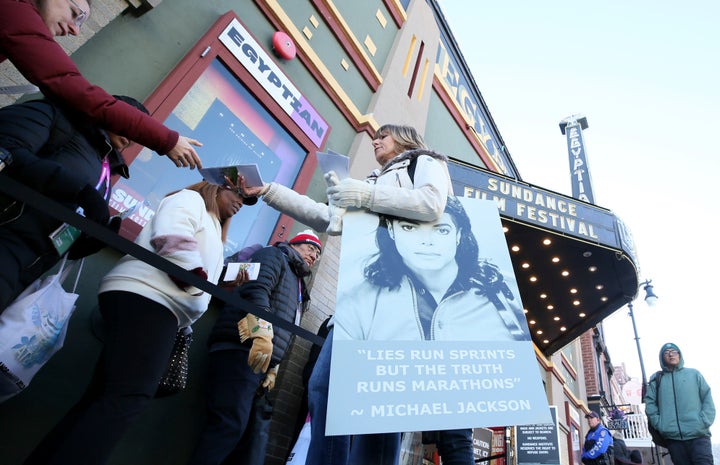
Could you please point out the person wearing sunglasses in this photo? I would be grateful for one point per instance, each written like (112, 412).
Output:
(27, 28)
(679, 405)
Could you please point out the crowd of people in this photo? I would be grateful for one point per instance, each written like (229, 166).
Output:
(67, 146)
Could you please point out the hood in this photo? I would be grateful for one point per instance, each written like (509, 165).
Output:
(670, 345)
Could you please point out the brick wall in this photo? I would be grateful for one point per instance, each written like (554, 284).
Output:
(589, 363)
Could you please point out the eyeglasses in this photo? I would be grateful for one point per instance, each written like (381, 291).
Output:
(671, 352)
(78, 18)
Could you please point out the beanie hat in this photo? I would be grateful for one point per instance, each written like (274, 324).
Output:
(307, 237)
(669, 345)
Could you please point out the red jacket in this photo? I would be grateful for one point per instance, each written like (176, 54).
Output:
(26, 41)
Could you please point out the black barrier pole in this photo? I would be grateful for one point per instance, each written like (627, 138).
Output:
(54, 209)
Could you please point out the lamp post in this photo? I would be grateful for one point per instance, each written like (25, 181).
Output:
(651, 300)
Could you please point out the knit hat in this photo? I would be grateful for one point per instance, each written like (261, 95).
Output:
(669, 345)
(307, 237)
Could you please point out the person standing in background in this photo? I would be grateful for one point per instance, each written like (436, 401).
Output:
(679, 405)
(27, 28)
(598, 446)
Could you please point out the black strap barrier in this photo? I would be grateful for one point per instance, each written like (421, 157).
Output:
(54, 209)
(492, 457)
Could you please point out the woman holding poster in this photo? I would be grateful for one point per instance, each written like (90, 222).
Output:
(428, 283)
(412, 182)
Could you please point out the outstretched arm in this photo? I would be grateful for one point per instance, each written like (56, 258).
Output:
(26, 42)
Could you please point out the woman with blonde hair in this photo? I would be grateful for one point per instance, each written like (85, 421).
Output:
(412, 182)
(143, 308)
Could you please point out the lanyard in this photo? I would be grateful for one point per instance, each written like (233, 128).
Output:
(104, 176)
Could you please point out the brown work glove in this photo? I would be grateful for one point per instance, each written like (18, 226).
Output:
(270, 376)
(261, 333)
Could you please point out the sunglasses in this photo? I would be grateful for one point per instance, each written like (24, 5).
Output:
(78, 18)
(671, 352)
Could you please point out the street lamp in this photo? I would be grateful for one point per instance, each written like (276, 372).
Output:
(651, 300)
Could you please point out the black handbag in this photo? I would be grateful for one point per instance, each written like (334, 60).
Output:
(174, 380)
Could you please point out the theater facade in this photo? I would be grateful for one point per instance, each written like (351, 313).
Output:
(273, 82)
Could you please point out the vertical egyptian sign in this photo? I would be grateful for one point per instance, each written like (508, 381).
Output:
(262, 67)
(429, 329)
(579, 171)
(539, 444)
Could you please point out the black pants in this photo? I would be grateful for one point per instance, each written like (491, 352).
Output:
(230, 392)
(139, 338)
(696, 451)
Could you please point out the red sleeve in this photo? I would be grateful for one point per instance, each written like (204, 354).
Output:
(26, 41)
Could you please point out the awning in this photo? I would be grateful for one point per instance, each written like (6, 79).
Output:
(575, 262)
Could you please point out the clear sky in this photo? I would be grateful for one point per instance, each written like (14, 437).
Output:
(646, 76)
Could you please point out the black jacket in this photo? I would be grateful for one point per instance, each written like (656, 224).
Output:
(279, 288)
(56, 154)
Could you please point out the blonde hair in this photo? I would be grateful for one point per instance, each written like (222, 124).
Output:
(406, 137)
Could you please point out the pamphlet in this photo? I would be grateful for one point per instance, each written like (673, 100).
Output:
(233, 269)
(333, 161)
(217, 175)
(63, 237)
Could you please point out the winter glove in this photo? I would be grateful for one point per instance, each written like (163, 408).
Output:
(351, 193)
(94, 205)
(270, 376)
(261, 333)
(87, 245)
(334, 212)
(187, 287)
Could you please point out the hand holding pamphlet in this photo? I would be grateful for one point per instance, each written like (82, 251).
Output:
(233, 269)
(217, 175)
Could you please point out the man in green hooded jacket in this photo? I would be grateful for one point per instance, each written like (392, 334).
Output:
(679, 404)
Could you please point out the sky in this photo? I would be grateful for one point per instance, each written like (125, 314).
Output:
(646, 75)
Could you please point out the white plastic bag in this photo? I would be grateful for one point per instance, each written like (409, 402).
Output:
(32, 330)
(300, 449)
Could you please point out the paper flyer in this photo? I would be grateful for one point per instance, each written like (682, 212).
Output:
(233, 269)
(333, 161)
(217, 175)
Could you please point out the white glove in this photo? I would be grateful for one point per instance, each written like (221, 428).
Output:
(351, 193)
(334, 211)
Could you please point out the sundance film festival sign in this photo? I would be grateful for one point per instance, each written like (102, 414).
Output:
(529, 204)
(262, 67)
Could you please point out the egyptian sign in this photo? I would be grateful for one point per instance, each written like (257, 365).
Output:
(262, 67)
(580, 173)
(529, 204)
(462, 91)
(429, 330)
(539, 444)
